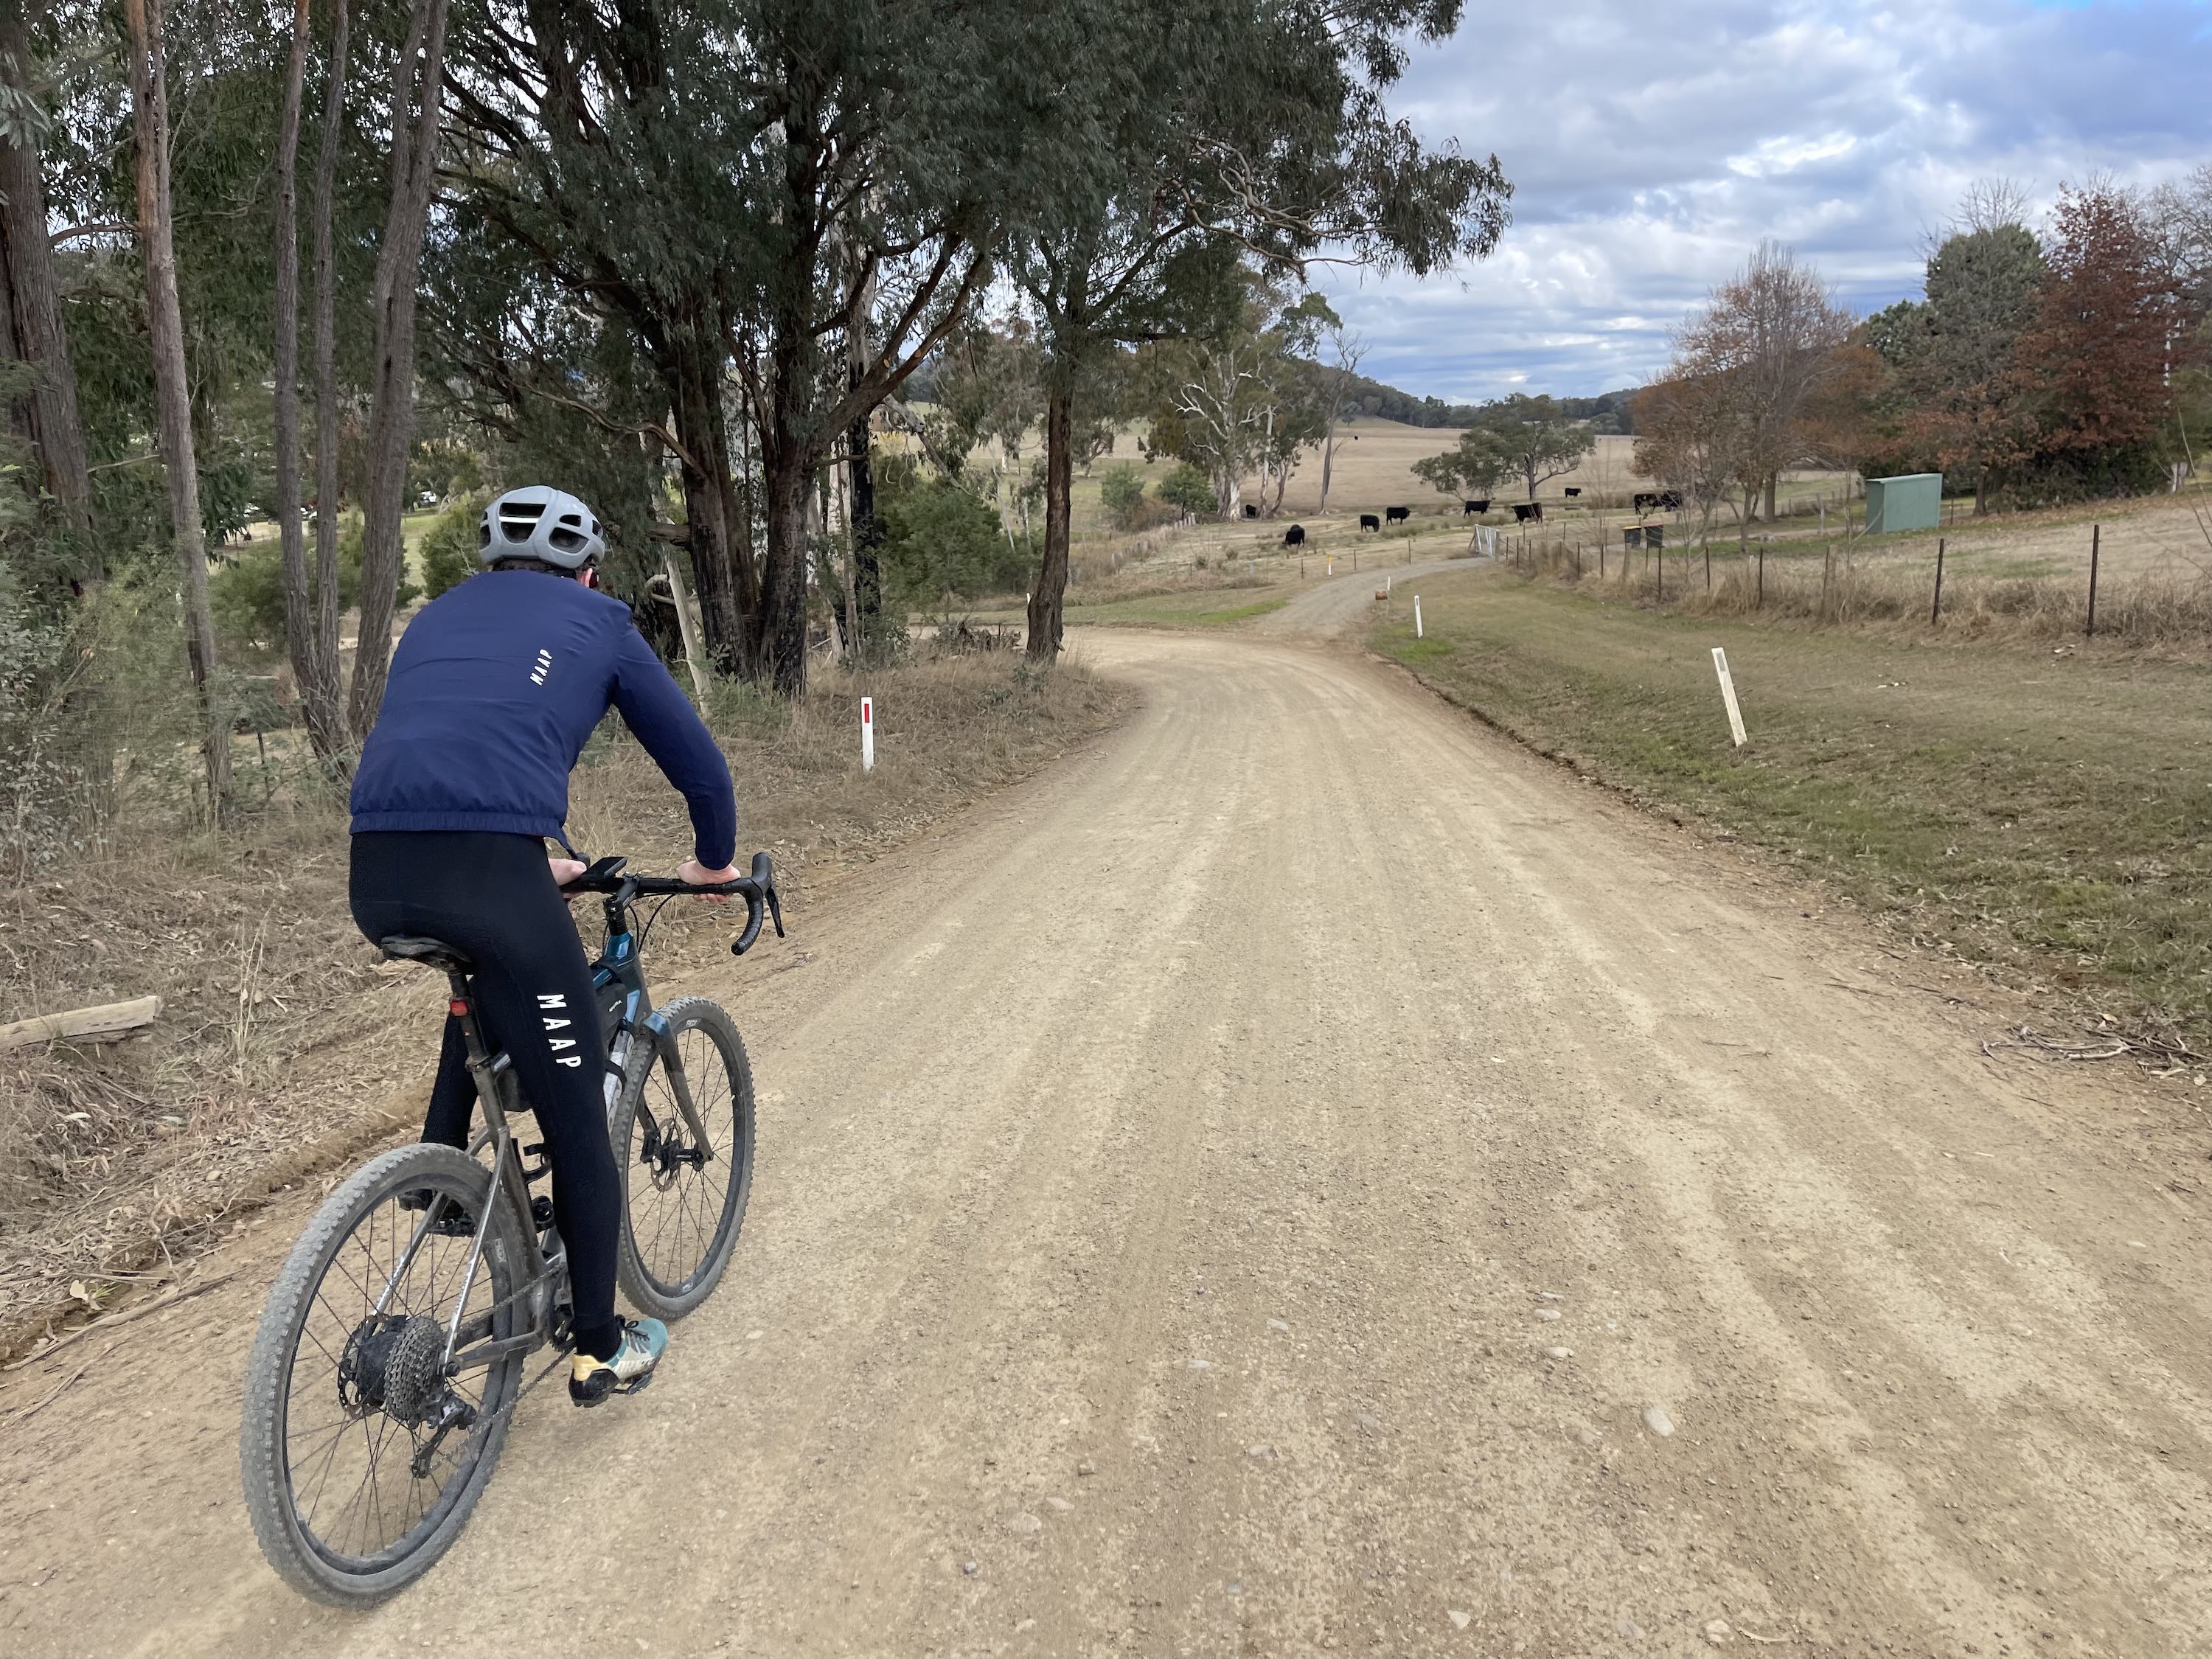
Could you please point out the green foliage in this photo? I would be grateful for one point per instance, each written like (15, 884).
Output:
(1121, 492)
(1516, 438)
(247, 592)
(449, 547)
(942, 543)
(1188, 489)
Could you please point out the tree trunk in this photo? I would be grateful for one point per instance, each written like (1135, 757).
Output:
(326, 727)
(165, 325)
(1046, 600)
(721, 562)
(32, 306)
(782, 656)
(1771, 478)
(1328, 456)
(298, 610)
(866, 572)
(788, 453)
(420, 69)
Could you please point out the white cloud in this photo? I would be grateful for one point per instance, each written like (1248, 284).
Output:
(1651, 150)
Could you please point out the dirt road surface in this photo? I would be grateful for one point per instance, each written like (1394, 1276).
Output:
(1303, 1176)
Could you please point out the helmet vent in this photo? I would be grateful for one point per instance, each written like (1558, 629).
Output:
(517, 518)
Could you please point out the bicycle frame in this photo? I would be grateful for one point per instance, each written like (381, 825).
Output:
(625, 1009)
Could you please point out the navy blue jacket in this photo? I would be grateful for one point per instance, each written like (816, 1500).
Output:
(495, 686)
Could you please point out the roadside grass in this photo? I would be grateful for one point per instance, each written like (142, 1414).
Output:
(284, 1043)
(2047, 813)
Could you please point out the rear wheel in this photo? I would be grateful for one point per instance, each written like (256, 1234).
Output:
(362, 1452)
(685, 1178)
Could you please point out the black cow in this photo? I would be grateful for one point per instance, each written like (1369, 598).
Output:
(1473, 507)
(1670, 501)
(1295, 536)
(1573, 490)
(1528, 512)
(1250, 511)
(1397, 515)
(1646, 501)
(1369, 521)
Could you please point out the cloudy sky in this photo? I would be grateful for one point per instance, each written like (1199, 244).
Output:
(1650, 146)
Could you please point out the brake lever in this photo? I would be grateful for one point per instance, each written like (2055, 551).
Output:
(774, 910)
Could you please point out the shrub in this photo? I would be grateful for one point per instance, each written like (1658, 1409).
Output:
(1189, 489)
(246, 592)
(449, 547)
(1122, 491)
(939, 541)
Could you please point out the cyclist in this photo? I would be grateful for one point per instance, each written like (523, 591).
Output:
(493, 689)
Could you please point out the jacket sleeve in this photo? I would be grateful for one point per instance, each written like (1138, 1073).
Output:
(662, 719)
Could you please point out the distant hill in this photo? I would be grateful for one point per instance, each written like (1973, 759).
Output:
(1607, 412)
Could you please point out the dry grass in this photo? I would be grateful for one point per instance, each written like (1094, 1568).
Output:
(1879, 588)
(2039, 811)
(286, 1045)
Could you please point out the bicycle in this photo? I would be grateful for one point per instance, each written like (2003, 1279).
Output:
(403, 1319)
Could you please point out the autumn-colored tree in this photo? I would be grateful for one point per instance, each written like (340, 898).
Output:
(1771, 340)
(2098, 354)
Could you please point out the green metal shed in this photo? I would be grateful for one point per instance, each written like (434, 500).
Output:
(1914, 502)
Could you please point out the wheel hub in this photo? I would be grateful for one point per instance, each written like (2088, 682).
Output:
(394, 1364)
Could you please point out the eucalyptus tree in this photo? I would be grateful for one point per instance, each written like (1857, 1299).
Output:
(30, 306)
(804, 193)
(172, 396)
(1221, 131)
(417, 96)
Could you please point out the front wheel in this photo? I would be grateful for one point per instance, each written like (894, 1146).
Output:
(685, 1174)
(363, 1448)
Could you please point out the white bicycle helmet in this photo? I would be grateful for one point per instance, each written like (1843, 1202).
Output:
(539, 522)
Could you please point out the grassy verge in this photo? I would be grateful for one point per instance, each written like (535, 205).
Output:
(2049, 814)
(285, 1045)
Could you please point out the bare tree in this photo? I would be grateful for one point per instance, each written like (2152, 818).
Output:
(1990, 204)
(149, 106)
(329, 691)
(1772, 339)
(317, 695)
(30, 306)
(417, 78)
(1350, 349)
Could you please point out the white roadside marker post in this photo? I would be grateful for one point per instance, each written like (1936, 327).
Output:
(1728, 695)
(1416, 616)
(867, 735)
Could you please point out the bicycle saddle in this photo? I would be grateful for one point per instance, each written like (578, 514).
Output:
(434, 952)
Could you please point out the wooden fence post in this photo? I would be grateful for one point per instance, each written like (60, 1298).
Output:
(1935, 609)
(1760, 603)
(2096, 532)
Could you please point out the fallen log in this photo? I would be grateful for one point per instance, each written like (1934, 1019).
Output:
(102, 1024)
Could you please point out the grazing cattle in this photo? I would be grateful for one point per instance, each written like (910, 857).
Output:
(1250, 511)
(1473, 507)
(1369, 521)
(1573, 490)
(1295, 536)
(1670, 501)
(1646, 501)
(1528, 512)
(1397, 515)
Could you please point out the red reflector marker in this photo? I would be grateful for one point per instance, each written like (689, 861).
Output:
(457, 1007)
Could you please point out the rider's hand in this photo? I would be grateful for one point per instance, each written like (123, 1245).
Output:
(564, 871)
(698, 875)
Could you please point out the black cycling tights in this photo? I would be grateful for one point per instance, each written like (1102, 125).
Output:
(493, 897)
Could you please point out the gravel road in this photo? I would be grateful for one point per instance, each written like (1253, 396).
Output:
(1301, 1175)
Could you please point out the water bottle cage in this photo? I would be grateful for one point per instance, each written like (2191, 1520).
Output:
(543, 1166)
